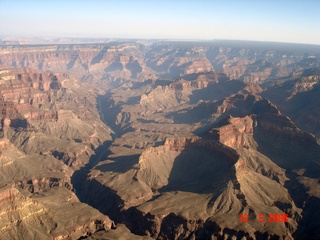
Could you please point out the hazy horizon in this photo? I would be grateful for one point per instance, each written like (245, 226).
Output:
(271, 21)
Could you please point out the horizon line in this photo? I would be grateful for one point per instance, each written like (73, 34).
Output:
(87, 40)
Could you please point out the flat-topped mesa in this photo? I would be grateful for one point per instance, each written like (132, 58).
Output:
(179, 144)
(236, 133)
(193, 144)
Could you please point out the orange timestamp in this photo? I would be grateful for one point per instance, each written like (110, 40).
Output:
(272, 217)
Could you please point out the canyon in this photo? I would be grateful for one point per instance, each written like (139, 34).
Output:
(159, 140)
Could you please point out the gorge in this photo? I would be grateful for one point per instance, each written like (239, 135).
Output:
(159, 140)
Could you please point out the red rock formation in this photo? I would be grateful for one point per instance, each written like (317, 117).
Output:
(235, 134)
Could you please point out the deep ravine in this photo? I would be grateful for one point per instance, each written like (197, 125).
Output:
(79, 178)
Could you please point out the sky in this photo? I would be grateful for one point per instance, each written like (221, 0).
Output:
(262, 20)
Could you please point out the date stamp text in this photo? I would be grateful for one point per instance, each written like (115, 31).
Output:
(271, 217)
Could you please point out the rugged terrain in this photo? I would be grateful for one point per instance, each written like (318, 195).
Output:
(164, 140)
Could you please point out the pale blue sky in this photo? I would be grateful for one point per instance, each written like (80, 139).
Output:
(263, 20)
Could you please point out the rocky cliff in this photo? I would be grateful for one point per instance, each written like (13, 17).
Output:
(47, 132)
(37, 201)
(33, 116)
(228, 171)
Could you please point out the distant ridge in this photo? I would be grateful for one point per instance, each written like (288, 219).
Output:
(266, 45)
